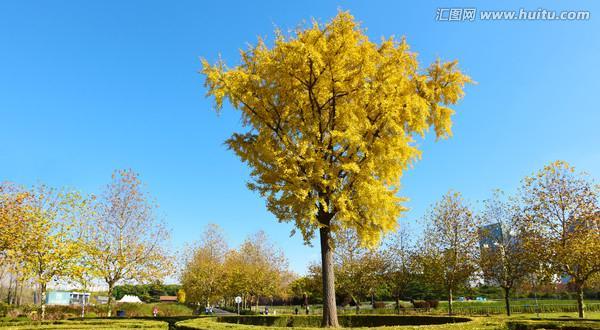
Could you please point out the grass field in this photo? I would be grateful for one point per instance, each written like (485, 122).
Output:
(99, 324)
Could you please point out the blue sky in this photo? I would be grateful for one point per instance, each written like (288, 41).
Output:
(87, 87)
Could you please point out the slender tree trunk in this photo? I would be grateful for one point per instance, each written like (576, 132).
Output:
(356, 304)
(20, 302)
(507, 300)
(111, 287)
(43, 299)
(449, 301)
(17, 291)
(580, 305)
(330, 318)
(9, 293)
(397, 298)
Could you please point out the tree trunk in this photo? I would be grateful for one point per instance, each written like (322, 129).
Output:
(330, 318)
(507, 300)
(356, 304)
(110, 299)
(20, 302)
(580, 305)
(43, 299)
(397, 299)
(17, 291)
(450, 302)
(9, 293)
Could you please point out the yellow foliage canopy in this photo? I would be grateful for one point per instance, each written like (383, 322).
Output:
(331, 118)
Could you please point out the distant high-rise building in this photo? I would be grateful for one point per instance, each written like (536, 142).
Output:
(490, 235)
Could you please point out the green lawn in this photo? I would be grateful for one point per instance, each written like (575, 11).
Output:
(100, 324)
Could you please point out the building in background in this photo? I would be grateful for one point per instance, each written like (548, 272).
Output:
(490, 235)
(65, 298)
(130, 299)
(168, 298)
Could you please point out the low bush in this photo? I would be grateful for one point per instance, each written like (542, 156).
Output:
(54, 312)
(379, 304)
(104, 324)
(4, 308)
(433, 303)
(421, 304)
(234, 310)
(164, 309)
(545, 324)
(345, 320)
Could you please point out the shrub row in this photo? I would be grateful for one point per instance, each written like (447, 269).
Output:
(566, 325)
(345, 320)
(73, 311)
(542, 308)
(86, 324)
(426, 303)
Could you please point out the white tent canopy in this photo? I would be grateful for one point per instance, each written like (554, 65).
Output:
(130, 299)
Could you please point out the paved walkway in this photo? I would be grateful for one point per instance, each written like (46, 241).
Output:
(221, 312)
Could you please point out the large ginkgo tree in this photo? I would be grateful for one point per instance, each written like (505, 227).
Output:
(331, 119)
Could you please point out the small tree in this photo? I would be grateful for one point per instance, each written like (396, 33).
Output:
(400, 259)
(125, 240)
(360, 270)
(449, 256)
(203, 274)
(505, 259)
(15, 219)
(263, 267)
(563, 218)
(305, 287)
(332, 118)
(181, 296)
(51, 248)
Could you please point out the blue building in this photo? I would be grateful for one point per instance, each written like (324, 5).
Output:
(66, 298)
(490, 235)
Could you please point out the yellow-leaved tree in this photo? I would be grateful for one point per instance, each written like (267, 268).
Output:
(203, 272)
(125, 240)
(562, 215)
(331, 119)
(50, 249)
(13, 217)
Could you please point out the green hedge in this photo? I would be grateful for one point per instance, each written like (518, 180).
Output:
(345, 320)
(73, 311)
(164, 309)
(311, 322)
(553, 324)
(105, 324)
